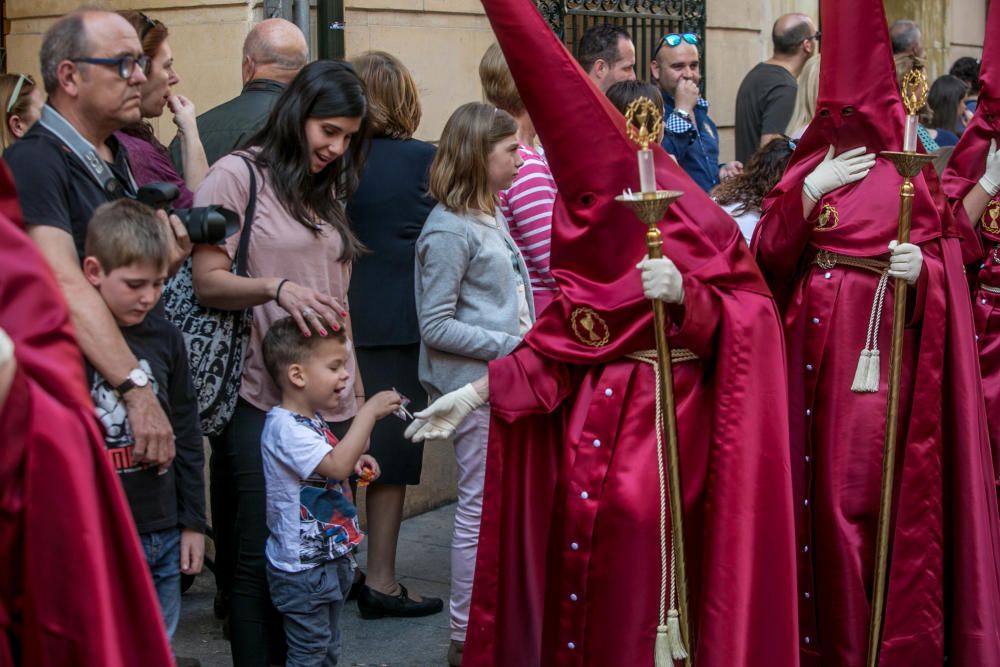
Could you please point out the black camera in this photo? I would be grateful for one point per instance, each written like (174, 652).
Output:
(205, 224)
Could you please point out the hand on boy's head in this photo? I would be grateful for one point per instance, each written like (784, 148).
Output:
(383, 403)
(180, 242)
(192, 551)
(304, 303)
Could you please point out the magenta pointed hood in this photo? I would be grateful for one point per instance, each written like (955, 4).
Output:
(859, 105)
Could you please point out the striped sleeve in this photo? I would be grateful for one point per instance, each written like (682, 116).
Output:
(527, 206)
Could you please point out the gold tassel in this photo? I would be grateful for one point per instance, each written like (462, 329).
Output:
(874, 372)
(861, 373)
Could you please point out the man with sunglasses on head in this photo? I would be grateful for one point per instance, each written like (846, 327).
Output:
(67, 165)
(766, 98)
(690, 135)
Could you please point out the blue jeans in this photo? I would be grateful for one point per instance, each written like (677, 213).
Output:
(163, 555)
(311, 601)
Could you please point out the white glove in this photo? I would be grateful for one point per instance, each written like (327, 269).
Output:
(661, 280)
(443, 416)
(835, 172)
(991, 178)
(6, 348)
(906, 261)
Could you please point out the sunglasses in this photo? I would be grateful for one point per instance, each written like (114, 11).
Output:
(675, 39)
(126, 64)
(147, 25)
(21, 78)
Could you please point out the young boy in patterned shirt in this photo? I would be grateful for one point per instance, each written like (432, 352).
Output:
(310, 512)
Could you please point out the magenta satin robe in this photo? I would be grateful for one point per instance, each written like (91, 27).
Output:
(568, 568)
(943, 594)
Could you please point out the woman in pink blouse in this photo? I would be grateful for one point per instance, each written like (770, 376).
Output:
(527, 203)
(307, 160)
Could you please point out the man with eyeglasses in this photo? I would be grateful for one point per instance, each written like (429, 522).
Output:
(766, 97)
(67, 165)
(690, 135)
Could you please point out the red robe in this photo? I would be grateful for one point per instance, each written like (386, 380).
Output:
(568, 568)
(74, 586)
(944, 584)
(965, 168)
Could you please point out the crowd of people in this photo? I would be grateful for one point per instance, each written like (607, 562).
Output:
(368, 291)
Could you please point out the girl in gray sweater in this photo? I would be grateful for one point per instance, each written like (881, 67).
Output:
(472, 305)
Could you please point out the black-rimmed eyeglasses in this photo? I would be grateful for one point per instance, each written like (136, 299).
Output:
(126, 64)
(816, 36)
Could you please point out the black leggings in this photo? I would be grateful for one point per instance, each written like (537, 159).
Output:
(256, 632)
(254, 624)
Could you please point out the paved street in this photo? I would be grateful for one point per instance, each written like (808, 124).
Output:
(423, 565)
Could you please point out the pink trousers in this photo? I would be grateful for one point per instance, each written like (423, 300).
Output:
(470, 454)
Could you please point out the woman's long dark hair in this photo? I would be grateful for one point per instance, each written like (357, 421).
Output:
(323, 89)
(945, 94)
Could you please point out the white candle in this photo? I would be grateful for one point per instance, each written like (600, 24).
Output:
(910, 135)
(647, 175)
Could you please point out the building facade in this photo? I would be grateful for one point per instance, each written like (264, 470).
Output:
(442, 41)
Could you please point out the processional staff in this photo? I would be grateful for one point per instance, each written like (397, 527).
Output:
(908, 163)
(644, 124)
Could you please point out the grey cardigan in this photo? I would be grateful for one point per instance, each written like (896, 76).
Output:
(466, 292)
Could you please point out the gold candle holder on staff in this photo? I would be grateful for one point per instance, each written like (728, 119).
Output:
(908, 164)
(645, 125)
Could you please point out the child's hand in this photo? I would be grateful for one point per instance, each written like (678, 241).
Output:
(367, 470)
(382, 403)
(192, 551)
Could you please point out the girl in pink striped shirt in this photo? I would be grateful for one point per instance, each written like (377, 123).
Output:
(527, 204)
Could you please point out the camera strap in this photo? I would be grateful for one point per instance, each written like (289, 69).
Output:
(85, 152)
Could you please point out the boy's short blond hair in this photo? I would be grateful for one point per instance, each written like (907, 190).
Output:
(125, 232)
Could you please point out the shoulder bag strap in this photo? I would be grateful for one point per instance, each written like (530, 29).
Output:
(242, 250)
(84, 152)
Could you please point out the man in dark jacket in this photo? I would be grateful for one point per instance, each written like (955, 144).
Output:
(273, 53)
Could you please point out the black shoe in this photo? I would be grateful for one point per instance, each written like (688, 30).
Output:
(373, 604)
(359, 583)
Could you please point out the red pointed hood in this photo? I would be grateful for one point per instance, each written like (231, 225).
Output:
(968, 161)
(858, 105)
(597, 241)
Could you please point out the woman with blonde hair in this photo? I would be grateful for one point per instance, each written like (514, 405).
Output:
(472, 306)
(527, 204)
(22, 105)
(805, 99)
(387, 212)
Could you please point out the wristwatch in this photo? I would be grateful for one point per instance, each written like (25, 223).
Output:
(136, 378)
(683, 113)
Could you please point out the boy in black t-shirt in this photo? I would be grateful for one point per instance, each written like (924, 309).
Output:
(126, 257)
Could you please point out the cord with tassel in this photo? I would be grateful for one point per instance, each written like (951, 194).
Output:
(669, 646)
(867, 376)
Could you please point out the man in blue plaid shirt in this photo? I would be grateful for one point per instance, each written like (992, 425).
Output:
(690, 135)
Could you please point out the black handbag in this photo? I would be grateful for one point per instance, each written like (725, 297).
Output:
(216, 340)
